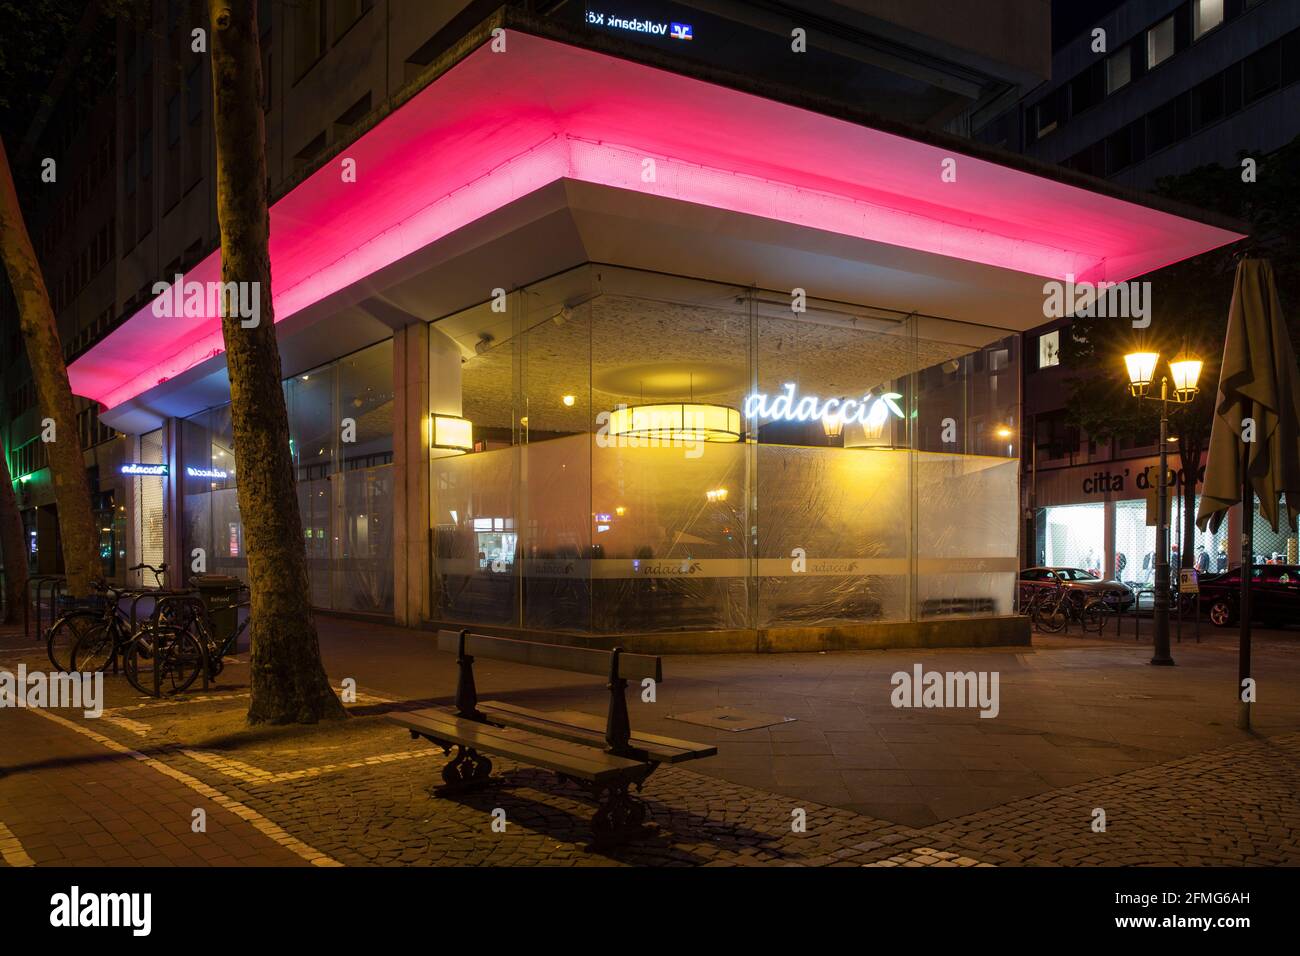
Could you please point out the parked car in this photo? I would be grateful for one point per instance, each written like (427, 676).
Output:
(1274, 595)
(1117, 594)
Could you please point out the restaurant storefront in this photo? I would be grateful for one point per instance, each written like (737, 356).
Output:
(623, 473)
(1097, 517)
(693, 385)
(341, 440)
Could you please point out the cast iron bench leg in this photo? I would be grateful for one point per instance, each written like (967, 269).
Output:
(466, 770)
(619, 814)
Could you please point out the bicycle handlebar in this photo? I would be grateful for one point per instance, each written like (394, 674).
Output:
(158, 572)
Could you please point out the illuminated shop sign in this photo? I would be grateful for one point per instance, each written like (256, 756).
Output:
(789, 406)
(658, 28)
(136, 468)
(216, 474)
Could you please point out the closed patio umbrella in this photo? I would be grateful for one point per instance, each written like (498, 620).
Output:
(1255, 437)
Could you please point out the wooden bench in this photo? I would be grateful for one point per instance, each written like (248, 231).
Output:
(605, 757)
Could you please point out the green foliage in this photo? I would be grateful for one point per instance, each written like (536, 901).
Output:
(36, 36)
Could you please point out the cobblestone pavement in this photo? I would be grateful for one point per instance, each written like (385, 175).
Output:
(123, 789)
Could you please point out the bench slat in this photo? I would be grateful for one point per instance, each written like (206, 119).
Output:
(588, 728)
(548, 753)
(580, 660)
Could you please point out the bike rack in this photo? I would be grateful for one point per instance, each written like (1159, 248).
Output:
(184, 597)
(1196, 616)
(55, 582)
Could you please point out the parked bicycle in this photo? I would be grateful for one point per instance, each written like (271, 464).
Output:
(110, 643)
(183, 645)
(1052, 610)
(102, 616)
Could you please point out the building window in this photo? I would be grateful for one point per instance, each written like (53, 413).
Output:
(1262, 72)
(1206, 15)
(1119, 70)
(1049, 349)
(308, 35)
(1160, 42)
(173, 120)
(194, 92)
(1208, 102)
(348, 12)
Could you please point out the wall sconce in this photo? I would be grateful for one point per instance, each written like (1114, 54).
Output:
(449, 435)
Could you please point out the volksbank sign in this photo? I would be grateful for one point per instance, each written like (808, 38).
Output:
(659, 28)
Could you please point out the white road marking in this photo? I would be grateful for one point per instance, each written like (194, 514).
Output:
(261, 823)
(12, 850)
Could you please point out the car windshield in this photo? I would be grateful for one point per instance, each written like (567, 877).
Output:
(1075, 574)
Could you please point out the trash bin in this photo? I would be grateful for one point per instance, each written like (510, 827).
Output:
(220, 593)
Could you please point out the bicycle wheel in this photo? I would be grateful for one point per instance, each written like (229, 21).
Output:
(64, 634)
(170, 655)
(1094, 615)
(202, 630)
(1050, 618)
(94, 649)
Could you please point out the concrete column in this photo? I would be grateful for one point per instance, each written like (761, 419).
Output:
(1108, 538)
(174, 505)
(444, 374)
(411, 474)
(1234, 536)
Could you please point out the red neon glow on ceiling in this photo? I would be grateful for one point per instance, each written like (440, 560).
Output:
(498, 126)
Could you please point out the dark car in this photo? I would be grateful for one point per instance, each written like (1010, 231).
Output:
(1274, 595)
(1117, 594)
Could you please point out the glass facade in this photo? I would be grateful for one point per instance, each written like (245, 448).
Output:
(341, 438)
(1074, 536)
(1274, 547)
(654, 453)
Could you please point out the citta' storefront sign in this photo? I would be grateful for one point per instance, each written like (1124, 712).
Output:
(142, 470)
(1119, 481)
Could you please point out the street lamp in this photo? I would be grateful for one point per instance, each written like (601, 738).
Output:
(1185, 369)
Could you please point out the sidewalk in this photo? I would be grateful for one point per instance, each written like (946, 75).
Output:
(1084, 725)
(1072, 711)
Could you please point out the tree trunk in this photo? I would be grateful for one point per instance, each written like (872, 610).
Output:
(12, 547)
(53, 394)
(288, 681)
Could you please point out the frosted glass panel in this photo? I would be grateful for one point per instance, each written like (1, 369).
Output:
(832, 535)
(475, 537)
(966, 534)
(668, 555)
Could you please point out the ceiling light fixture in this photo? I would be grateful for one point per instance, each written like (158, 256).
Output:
(675, 422)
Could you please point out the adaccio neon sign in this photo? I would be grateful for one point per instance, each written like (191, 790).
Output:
(869, 410)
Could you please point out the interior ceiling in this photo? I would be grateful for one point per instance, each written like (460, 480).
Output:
(619, 349)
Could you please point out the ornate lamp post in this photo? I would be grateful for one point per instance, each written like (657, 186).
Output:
(1185, 370)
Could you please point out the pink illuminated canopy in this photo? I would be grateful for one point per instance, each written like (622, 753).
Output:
(498, 126)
